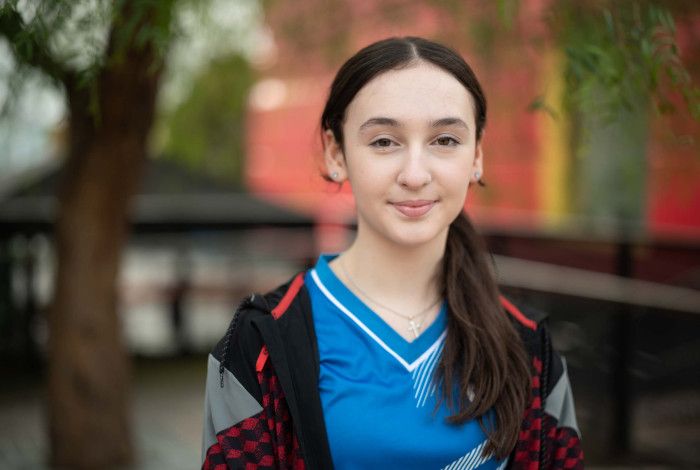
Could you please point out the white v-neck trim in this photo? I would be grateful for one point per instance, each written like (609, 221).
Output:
(409, 367)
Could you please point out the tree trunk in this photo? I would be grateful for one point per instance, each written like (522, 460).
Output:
(88, 386)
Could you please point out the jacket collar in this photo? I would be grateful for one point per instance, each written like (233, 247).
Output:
(290, 338)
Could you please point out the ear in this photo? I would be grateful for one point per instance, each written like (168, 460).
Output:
(333, 157)
(477, 164)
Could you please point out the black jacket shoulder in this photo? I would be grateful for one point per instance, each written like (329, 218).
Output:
(240, 347)
(533, 326)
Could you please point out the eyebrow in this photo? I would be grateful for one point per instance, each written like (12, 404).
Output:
(385, 121)
(449, 121)
(379, 121)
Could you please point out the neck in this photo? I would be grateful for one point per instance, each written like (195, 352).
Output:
(400, 276)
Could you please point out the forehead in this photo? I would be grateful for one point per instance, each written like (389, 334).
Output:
(422, 92)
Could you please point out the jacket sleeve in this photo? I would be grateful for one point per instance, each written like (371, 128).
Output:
(246, 417)
(562, 437)
(231, 420)
(549, 436)
(235, 429)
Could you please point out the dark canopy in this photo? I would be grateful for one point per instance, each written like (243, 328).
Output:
(171, 198)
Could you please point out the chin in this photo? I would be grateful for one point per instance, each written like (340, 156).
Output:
(414, 237)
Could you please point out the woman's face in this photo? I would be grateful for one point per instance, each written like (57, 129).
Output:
(410, 153)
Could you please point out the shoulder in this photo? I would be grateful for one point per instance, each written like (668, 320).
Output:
(531, 323)
(533, 327)
(522, 313)
(242, 340)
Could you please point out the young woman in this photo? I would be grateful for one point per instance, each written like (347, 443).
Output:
(399, 352)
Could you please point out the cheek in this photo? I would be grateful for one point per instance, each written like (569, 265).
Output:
(456, 177)
(366, 189)
(369, 178)
(458, 190)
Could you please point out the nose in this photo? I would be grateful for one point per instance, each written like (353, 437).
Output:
(414, 173)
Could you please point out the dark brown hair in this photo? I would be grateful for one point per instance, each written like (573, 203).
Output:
(483, 352)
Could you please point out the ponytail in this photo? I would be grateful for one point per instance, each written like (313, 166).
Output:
(483, 352)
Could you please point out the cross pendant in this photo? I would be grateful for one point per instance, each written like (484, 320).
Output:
(414, 328)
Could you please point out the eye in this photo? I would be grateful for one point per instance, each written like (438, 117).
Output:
(446, 140)
(382, 142)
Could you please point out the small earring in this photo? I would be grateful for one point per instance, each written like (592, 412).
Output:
(477, 175)
(334, 175)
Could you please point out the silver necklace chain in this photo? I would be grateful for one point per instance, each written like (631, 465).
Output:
(413, 325)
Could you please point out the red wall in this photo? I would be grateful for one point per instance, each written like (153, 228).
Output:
(283, 147)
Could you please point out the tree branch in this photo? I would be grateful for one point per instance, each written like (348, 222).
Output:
(28, 49)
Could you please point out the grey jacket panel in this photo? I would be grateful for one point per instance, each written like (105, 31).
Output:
(560, 402)
(224, 407)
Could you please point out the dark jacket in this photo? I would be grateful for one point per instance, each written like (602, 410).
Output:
(263, 409)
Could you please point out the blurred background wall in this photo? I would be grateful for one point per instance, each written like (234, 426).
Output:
(592, 208)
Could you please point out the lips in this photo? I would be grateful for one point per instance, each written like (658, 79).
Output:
(413, 209)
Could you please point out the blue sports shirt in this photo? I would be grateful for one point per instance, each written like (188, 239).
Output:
(376, 388)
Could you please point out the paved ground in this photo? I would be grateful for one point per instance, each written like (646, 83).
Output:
(168, 400)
